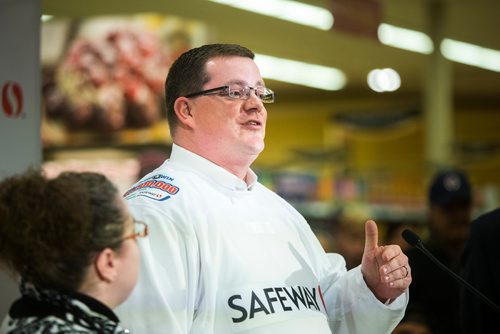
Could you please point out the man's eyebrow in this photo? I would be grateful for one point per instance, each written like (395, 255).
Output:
(237, 82)
(244, 83)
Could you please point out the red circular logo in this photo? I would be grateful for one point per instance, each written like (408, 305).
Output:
(12, 99)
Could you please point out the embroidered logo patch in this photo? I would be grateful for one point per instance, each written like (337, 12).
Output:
(158, 188)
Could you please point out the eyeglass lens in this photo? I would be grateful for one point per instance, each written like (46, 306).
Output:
(263, 93)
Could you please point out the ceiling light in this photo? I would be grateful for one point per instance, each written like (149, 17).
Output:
(288, 10)
(470, 54)
(45, 18)
(384, 80)
(406, 39)
(296, 72)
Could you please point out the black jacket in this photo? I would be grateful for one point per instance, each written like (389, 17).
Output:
(481, 261)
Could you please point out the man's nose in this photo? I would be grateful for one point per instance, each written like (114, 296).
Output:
(254, 101)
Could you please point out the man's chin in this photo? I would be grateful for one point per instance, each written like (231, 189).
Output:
(259, 148)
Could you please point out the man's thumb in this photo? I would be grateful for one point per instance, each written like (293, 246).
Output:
(371, 235)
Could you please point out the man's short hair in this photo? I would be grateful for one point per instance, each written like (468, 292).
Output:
(188, 74)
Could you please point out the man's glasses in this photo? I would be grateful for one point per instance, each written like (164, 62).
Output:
(140, 231)
(242, 93)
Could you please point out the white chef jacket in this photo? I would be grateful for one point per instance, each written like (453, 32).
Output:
(226, 257)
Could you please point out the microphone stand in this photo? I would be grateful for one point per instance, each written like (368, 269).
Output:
(418, 244)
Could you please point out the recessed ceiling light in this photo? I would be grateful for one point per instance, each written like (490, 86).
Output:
(384, 80)
(300, 73)
(471, 54)
(406, 39)
(293, 11)
(45, 18)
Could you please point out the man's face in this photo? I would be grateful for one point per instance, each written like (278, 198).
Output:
(450, 223)
(233, 129)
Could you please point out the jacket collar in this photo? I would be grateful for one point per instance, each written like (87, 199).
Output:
(220, 175)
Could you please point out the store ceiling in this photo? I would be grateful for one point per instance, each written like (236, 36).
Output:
(472, 21)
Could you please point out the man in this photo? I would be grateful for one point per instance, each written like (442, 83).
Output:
(227, 255)
(480, 261)
(433, 290)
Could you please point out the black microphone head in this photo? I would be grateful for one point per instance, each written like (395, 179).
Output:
(410, 237)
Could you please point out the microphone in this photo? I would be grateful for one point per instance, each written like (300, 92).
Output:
(413, 240)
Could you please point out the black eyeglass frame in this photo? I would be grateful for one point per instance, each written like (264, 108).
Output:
(227, 89)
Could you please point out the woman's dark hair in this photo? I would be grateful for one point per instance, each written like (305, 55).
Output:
(188, 75)
(51, 229)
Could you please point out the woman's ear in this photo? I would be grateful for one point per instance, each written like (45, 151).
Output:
(106, 265)
(183, 108)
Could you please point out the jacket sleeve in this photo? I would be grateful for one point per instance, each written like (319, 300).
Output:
(164, 299)
(352, 307)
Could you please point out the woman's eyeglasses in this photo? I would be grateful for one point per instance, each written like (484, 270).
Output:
(140, 230)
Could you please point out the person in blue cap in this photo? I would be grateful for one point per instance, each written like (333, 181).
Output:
(437, 294)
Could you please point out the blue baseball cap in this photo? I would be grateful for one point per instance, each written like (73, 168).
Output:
(450, 186)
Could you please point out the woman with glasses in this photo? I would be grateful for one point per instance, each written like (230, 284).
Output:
(72, 243)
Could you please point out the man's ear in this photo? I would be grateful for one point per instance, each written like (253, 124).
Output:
(183, 108)
(106, 265)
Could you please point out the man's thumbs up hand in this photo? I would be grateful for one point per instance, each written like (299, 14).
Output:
(385, 268)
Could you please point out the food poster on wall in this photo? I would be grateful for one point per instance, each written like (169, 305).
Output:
(103, 77)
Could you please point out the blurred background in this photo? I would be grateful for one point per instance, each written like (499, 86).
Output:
(372, 96)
